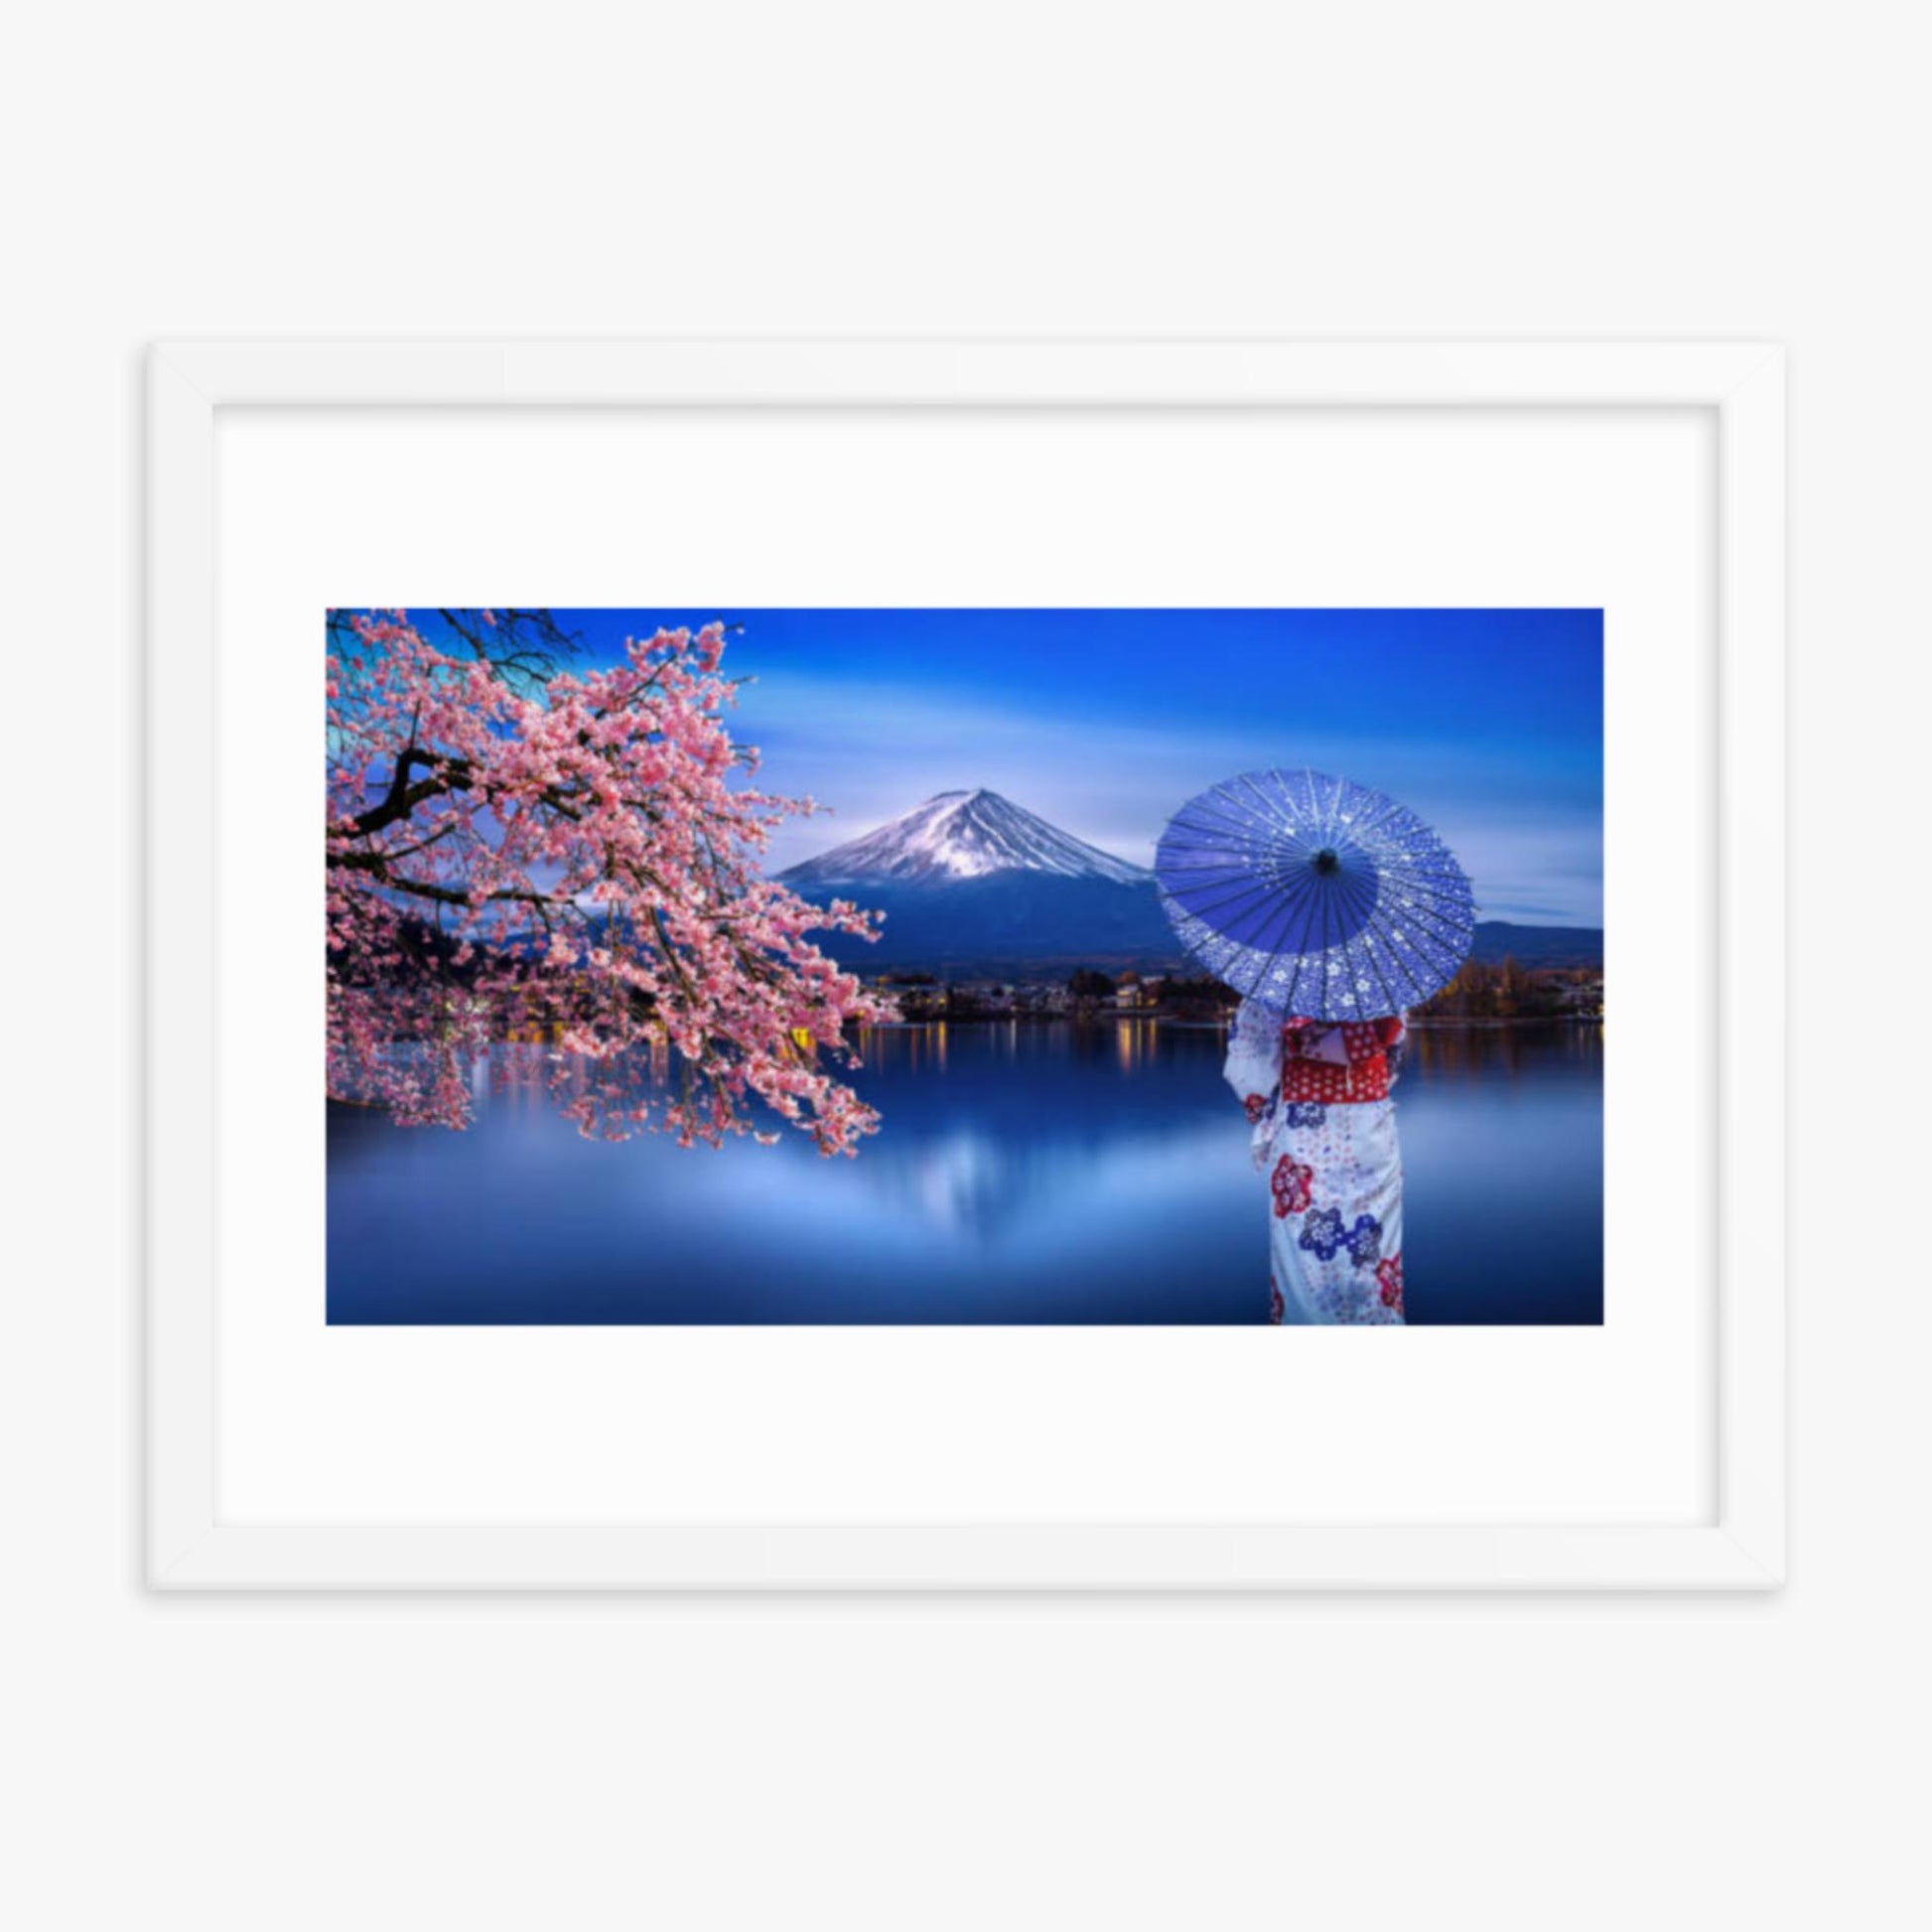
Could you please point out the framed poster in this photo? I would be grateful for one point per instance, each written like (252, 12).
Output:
(889, 912)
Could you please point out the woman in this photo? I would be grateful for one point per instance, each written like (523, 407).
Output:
(1325, 1135)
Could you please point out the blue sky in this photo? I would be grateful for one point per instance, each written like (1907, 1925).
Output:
(1488, 722)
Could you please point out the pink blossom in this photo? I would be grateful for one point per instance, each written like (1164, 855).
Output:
(591, 871)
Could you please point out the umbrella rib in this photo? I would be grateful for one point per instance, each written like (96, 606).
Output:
(1212, 822)
(1226, 809)
(1269, 808)
(1388, 992)
(1292, 896)
(1368, 963)
(1342, 943)
(1252, 891)
(1262, 802)
(1356, 956)
(1294, 981)
(1200, 815)
(1287, 900)
(1208, 873)
(1428, 915)
(1254, 952)
(1362, 958)
(1394, 811)
(1220, 858)
(1326, 975)
(1345, 952)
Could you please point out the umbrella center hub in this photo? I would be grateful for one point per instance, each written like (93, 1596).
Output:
(1328, 861)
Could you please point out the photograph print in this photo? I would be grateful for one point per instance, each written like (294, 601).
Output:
(965, 966)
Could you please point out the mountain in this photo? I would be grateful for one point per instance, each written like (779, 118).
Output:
(973, 885)
(1537, 945)
(970, 882)
(961, 835)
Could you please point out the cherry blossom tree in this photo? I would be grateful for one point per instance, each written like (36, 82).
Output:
(516, 849)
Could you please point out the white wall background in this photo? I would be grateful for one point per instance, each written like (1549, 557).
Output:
(1484, 169)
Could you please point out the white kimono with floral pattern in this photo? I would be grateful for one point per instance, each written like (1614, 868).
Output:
(1334, 1183)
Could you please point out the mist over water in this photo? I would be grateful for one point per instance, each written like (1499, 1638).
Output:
(1048, 1173)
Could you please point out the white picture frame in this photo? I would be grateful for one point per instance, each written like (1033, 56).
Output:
(191, 1546)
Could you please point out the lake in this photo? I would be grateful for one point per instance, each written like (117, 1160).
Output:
(1025, 1173)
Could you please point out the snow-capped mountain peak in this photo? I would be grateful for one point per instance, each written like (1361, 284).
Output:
(958, 835)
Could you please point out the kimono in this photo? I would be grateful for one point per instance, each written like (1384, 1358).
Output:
(1325, 1137)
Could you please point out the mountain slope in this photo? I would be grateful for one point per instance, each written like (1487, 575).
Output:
(1009, 920)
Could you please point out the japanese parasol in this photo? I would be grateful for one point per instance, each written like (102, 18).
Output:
(1315, 896)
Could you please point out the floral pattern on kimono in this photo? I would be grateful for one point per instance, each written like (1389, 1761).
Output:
(1388, 1272)
(1332, 1164)
(1292, 1185)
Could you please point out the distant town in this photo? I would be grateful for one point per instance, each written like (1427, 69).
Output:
(1480, 993)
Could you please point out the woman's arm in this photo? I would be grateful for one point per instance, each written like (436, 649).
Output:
(1254, 1063)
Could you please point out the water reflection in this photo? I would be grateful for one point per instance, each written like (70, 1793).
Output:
(1474, 1052)
(1025, 1173)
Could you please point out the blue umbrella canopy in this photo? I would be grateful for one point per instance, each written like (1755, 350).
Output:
(1315, 896)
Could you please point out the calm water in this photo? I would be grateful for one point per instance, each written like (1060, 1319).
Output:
(1024, 1174)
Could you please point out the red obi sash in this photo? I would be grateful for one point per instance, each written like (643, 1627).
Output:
(1364, 1077)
